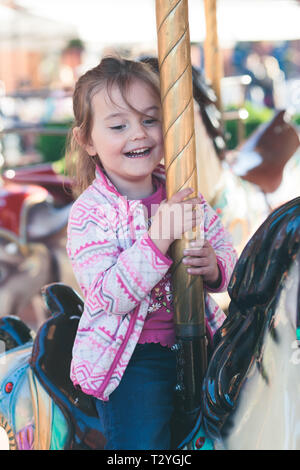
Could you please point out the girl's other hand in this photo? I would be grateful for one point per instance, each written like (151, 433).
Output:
(175, 217)
(200, 259)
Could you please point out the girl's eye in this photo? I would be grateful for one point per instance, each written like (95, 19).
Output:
(118, 128)
(150, 121)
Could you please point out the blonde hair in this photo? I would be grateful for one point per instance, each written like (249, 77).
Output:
(110, 72)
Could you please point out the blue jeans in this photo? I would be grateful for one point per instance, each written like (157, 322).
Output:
(138, 413)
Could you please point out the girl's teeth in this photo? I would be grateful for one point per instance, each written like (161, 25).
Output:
(138, 153)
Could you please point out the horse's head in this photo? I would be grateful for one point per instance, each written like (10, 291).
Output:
(262, 158)
(264, 292)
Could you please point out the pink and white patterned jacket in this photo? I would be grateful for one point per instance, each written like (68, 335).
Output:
(116, 265)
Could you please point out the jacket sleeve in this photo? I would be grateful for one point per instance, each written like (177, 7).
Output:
(221, 241)
(112, 280)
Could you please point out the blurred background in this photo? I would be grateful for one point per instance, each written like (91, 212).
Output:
(45, 45)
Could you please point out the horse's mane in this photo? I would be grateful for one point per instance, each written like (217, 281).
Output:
(254, 289)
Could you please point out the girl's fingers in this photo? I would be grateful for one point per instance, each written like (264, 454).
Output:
(181, 195)
(199, 262)
(199, 271)
(199, 243)
(194, 200)
(198, 252)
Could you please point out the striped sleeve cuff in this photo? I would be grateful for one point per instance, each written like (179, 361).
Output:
(165, 259)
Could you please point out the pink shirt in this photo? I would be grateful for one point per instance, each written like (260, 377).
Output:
(158, 326)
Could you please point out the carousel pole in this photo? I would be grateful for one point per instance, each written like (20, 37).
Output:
(180, 163)
(212, 56)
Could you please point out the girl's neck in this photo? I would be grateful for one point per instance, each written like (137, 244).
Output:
(135, 189)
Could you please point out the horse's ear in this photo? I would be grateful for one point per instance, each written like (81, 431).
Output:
(63, 299)
(45, 220)
(14, 332)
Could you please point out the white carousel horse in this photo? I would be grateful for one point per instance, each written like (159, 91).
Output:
(243, 204)
(251, 389)
(271, 173)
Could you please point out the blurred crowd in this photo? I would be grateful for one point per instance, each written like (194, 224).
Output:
(266, 63)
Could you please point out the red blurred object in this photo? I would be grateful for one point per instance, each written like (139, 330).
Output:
(14, 203)
(43, 175)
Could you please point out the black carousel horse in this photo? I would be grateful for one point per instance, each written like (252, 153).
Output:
(250, 392)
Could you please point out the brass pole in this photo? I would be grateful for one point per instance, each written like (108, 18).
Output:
(180, 163)
(212, 54)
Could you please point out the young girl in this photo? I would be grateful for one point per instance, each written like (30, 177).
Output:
(122, 353)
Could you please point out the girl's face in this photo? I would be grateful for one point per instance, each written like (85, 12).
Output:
(129, 142)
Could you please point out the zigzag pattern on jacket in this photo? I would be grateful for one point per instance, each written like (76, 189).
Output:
(117, 265)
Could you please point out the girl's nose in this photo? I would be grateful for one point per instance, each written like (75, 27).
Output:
(138, 132)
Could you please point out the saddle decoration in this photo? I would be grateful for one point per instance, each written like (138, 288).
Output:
(42, 408)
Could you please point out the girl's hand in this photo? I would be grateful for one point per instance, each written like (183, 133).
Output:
(175, 217)
(201, 259)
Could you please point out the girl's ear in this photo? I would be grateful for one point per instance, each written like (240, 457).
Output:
(88, 147)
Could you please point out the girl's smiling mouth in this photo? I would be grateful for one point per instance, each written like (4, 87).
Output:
(138, 153)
